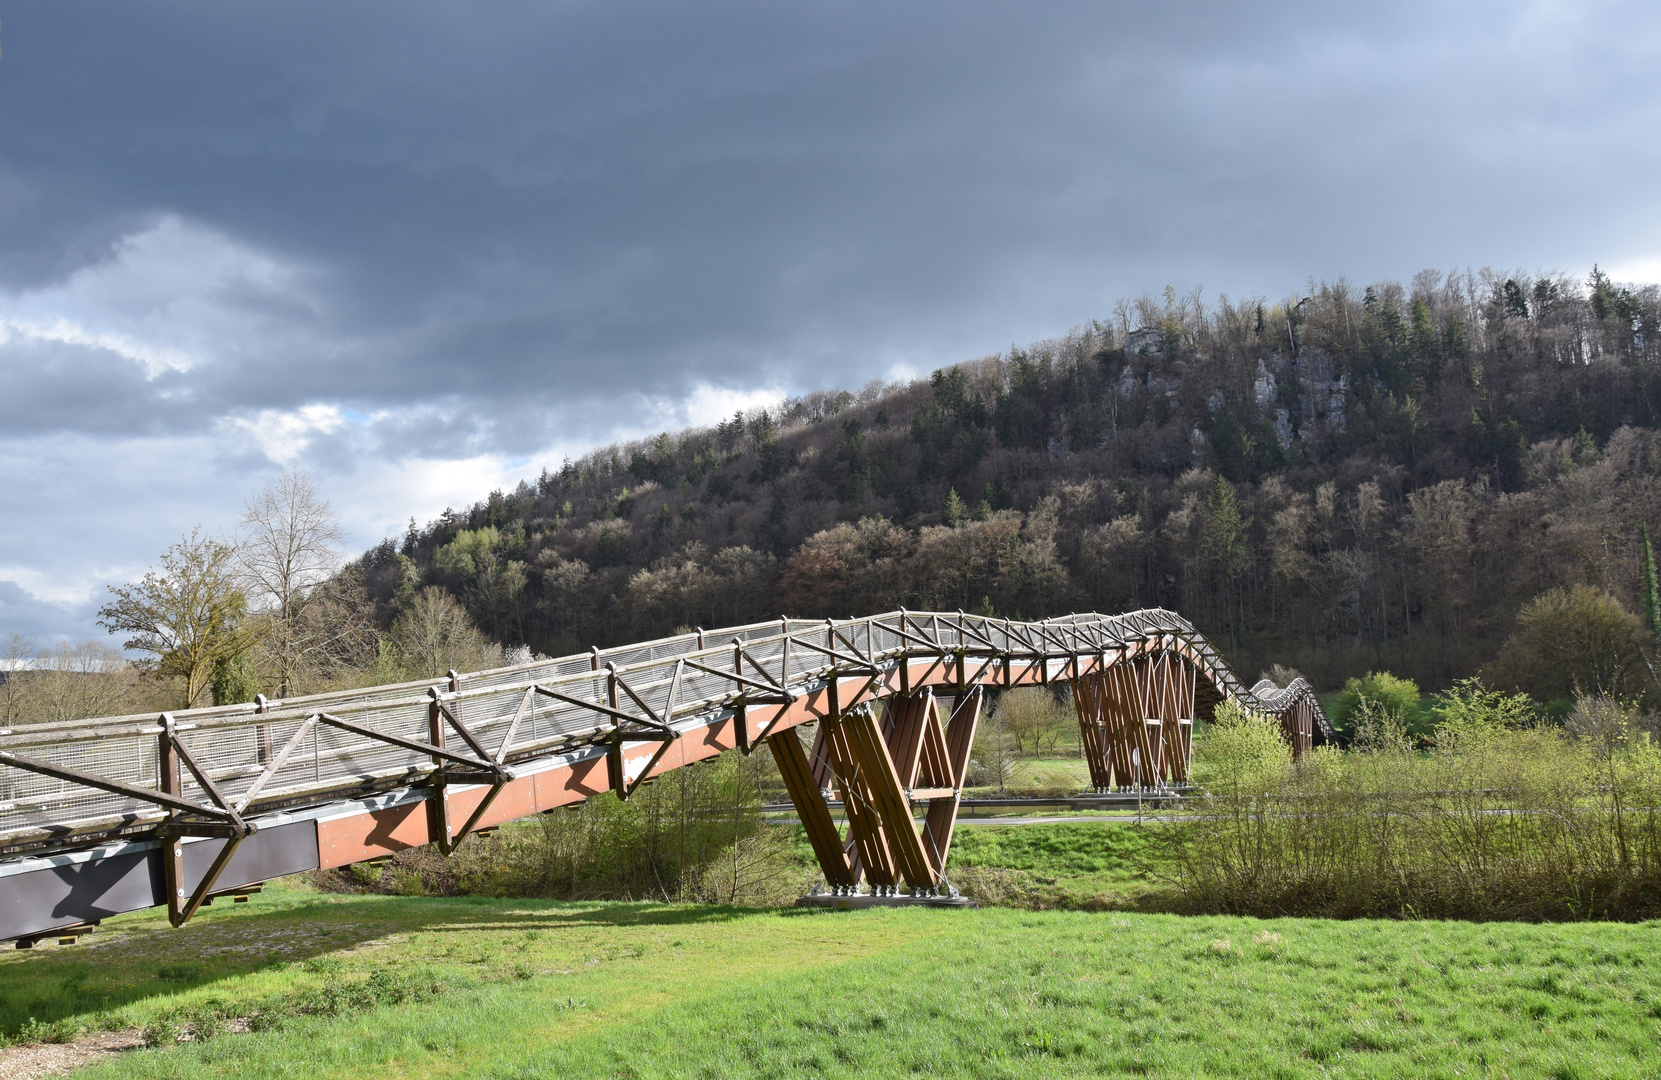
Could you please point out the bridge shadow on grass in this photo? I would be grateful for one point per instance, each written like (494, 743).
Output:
(120, 973)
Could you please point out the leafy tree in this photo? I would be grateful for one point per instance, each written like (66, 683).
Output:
(234, 680)
(489, 578)
(1604, 294)
(1223, 537)
(1574, 642)
(190, 616)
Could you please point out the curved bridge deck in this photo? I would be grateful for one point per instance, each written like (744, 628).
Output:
(103, 816)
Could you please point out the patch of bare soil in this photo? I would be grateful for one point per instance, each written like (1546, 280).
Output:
(59, 1059)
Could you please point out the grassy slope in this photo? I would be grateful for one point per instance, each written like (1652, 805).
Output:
(1081, 866)
(548, 989)
(1049, 775)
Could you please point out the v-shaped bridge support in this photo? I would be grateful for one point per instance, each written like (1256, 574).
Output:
(884, 771)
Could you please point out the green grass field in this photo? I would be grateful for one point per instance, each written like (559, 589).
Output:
(544, 989)
(1044, 776)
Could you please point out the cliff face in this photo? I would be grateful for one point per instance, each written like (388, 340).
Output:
(1358, 481)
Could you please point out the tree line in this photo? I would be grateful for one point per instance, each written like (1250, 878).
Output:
(1351, 479)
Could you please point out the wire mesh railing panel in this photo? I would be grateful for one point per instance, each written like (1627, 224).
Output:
(625, 657)
(697, 686)
(31, 802)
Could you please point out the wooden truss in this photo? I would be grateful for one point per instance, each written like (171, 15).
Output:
(526, 739)
(884, 772)
(1136, 720)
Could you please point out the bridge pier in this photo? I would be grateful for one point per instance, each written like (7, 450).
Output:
(1136, 721)
(885, 771)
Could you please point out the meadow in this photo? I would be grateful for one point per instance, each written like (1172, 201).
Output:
(381, 986)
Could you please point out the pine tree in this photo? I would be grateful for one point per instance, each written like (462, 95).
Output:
(955, 510)
(1652, 595)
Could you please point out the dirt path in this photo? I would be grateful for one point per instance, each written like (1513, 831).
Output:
(59, 1059)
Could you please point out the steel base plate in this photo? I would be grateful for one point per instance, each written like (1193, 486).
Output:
(866, 900)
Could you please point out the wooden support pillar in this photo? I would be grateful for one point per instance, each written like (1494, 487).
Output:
(1151, 752)
(812, 809)
(868, 843)
(1124, 711)
(1182, 751)
(883, 769)
(438, 804)
(1089, 697)
(171, 782)
(941, 822)
(887, 799)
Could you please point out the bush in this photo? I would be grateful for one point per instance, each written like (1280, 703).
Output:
(1574, 642)
(162, 1030)
(1505, 818)
(1470, 705)
(1394, 695)
(1240, 754)
(694, 834)
(58, 1031)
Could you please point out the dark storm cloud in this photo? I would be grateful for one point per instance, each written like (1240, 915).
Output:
(490, 228)
(512, 203)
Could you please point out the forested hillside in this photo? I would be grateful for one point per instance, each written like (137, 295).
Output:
(1358, 478)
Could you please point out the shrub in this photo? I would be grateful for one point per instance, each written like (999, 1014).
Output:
(695, 834)
(1574, 642)
(162, 1030)
(58, 1031)
(1471, 706)
(1240, 753)
(1394, 695)
(1505, 818)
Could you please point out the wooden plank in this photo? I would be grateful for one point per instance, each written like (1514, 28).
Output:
(941, 822)
(867, 842)
(1086, 695)
(908, 721)
(811, 809)
(888, 798)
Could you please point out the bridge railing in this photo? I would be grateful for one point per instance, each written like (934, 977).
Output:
(62, 782)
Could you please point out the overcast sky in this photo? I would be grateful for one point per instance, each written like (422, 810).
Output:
(424, 249)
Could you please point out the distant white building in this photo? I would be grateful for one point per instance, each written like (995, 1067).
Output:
(10, 666)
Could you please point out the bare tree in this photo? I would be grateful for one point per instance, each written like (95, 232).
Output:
(16, 653)
(290, 544)
(69, 682)
(190, 615)
(435, 634)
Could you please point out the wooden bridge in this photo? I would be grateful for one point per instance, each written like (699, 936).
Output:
(99, 817)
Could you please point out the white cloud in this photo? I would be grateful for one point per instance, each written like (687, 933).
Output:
(1642, 268)
(153, 360)
(380, 497)
(170, 297)
(283, 436)
(709, 405)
